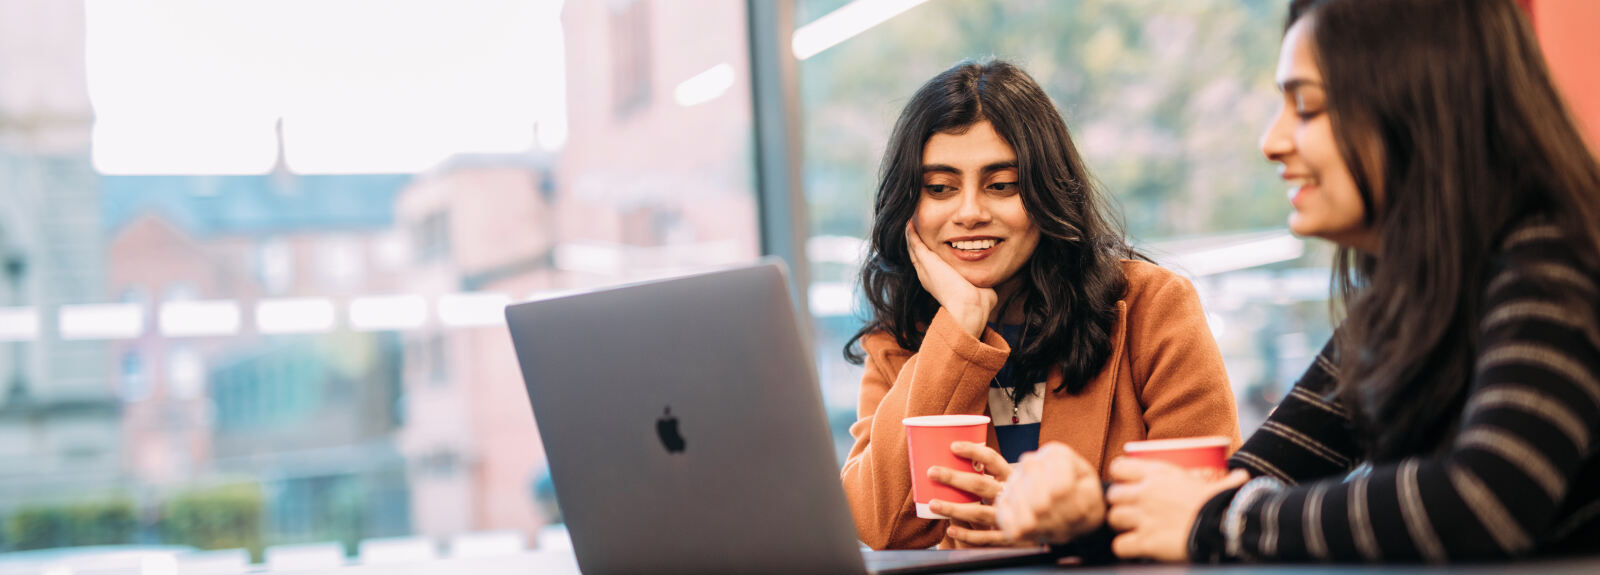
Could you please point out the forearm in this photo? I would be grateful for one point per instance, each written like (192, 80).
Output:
(950, 374)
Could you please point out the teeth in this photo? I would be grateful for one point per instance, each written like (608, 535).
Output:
(974, 245)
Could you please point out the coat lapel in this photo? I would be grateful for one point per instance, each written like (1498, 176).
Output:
(1083, 421)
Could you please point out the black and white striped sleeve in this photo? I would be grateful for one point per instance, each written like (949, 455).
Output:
(1307, 436)
(1507, 485)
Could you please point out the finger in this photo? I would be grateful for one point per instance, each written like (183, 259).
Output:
(975, 513)
(1126, 546)
(911, 248)
(993, 463)
(1123, 494)
(983, 486)
(977, 537)
(1127, 470)
(1012, 523)
(1236, 478)
(1123, 518)
(913, 241)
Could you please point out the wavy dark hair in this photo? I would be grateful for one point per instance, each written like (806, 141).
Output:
(1470, 138)
(1070, 285)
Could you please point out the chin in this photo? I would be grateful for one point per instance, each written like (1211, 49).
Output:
(1300, 227)
(983, 281)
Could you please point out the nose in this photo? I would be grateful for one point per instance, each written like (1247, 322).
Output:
(1276, 142)
(974, 208)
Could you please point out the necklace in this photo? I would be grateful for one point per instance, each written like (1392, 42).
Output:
(1015, 405)
(1010, 394)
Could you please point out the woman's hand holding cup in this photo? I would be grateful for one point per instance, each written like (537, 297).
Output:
(985, 480)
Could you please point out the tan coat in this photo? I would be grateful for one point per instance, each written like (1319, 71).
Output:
(1164, 379)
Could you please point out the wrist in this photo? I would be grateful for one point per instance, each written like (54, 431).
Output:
(972, 317)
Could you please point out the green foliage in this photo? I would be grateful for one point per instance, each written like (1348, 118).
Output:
(224, 517)
(1165, 100)
(107, 522)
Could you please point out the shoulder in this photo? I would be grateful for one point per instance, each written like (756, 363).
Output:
(1150, 283)
(1536, 256)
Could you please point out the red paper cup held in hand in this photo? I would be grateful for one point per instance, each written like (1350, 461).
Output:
(1205, 455)
(930, 437)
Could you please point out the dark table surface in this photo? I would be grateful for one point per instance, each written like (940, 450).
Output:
(1565, 566)
(558, 562)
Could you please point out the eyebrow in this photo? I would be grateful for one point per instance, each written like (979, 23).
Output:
(1293, 84)
(949, 169)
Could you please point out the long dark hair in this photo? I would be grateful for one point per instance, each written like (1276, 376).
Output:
(1470, 138)
(1068, 288)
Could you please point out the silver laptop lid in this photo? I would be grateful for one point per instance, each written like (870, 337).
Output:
(684, 427)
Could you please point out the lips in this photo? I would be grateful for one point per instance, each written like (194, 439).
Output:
(1299, 187)
(974, 248)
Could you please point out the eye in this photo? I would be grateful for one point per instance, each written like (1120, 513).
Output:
(1004, 187)
(1307, 108)
(936, 189)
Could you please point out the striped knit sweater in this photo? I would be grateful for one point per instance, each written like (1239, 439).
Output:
(1519, 477)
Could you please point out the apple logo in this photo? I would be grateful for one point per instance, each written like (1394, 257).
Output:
(667, 429)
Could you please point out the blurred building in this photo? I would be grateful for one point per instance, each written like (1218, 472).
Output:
(613, 205)
(58, 415)
(310, 416)
(478, 225)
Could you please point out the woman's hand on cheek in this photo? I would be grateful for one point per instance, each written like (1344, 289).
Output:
(968, 304)
(1154, 504)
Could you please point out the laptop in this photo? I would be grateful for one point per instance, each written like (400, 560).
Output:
(685, 432)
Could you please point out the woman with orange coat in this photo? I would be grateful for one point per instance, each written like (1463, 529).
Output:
(998, 286)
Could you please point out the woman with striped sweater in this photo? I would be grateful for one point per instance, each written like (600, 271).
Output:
(1454, 416)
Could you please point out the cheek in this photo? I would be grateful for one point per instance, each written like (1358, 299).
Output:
(927, 224)
(1348, 205)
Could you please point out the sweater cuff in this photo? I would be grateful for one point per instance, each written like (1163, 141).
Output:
(990, 352)
(1206, 543)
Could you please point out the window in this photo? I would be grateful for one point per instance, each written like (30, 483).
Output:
(135, 383)
(431, 238)
(630, 57)
(281, 242)
(1172, 142)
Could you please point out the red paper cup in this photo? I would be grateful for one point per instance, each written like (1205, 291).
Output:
(930, 437)
(1207, 454)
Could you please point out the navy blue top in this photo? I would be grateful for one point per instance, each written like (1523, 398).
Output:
(1016, 426)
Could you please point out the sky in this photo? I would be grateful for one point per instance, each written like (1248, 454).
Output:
(361, 86)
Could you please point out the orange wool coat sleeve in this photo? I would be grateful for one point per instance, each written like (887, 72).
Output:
(1164, 378)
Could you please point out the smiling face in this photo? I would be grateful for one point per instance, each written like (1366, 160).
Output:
(1327, 203)
(970, 210)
